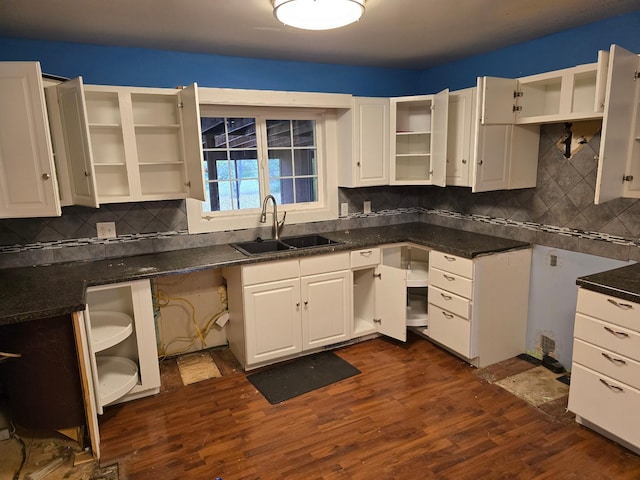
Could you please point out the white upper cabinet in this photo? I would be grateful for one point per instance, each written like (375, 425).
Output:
(28, 184)
(364, 143)
(488, 157)
(419, 139)
(570, 94)
(461, 131)
(619, 160)
(127, 144)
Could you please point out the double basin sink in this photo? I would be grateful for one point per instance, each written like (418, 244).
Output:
(264, 247)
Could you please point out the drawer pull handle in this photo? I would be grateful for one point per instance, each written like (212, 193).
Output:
(366, 253)
(450, 259)
(449, 278)
(624, 306)
(446, 297)
(615, 388)
(447, 315)
(615, 361)
(616, 334)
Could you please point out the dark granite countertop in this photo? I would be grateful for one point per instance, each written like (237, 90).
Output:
(30, 293)
(623, 282)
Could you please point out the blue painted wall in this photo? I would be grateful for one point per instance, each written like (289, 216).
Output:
(561, 50)
(158, 68)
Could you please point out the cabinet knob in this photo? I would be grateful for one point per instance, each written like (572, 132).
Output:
(46, 176)
(297, 304)
(464, 162)
(480, 162)
(306, 302)
(87, 174)
(358, 163)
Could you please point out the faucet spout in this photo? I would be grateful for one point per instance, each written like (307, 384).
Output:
(277, 225)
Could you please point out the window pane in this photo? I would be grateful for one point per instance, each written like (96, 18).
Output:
(282, 189)
(280, 163)
(306, 190)
(231, 163)
(278, 133)
(305, 162)
(303, 133)
(213, 132)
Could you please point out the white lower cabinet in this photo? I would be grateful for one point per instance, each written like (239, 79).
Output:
(389, 289)
(117, 345)
(282, 308)
(478, 307)
(605, 374)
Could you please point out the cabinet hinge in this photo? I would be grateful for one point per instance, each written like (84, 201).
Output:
(636, 75)
(627, 178)
(518, 93)
(187, 183)
(517, 108)
(180, 105)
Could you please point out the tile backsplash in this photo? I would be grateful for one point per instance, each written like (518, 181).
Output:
(559, 212)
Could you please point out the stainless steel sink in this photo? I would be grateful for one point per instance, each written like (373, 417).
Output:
(263, 247)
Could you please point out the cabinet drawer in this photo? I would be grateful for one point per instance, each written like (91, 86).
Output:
(605, 402)
(450, 330)
(270, 271)
(453, 303)
(606, 335)
(369, 257)
(324, 263)
(450, 282)
(608, 308)
(608, 363)
(451, 263)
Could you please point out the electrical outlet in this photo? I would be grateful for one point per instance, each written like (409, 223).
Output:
(366, 207)
(344, 209)
(106, 229)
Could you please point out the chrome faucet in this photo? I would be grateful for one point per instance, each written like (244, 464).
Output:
(277, 225)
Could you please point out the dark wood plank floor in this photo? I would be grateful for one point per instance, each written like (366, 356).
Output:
(415, 412)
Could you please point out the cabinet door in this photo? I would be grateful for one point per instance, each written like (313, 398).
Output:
(439, 138)
(459, 133)
(491, 162)
(73, 113)
(192, 142)
(620, 104)
(371, 137)
(325, 309)
(497, 100)
(28, 185)
(272, 316)
(391, 302)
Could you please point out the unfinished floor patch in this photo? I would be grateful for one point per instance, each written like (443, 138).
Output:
(197, 367)
(537, 385)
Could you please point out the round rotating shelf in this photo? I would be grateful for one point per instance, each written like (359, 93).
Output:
(116, 377)
(109, 328)
(418, 275)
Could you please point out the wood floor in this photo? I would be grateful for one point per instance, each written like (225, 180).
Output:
(415, 412)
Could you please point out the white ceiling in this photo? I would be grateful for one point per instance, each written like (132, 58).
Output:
(392, 33)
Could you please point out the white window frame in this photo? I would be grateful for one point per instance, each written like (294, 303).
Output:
(277, 105)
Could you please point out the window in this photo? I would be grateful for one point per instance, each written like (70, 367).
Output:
(251, 152)
(232, 162)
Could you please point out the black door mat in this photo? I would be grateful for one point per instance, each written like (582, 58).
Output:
(302, 375)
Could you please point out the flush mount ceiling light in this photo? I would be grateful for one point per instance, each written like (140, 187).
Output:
(318, 14)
